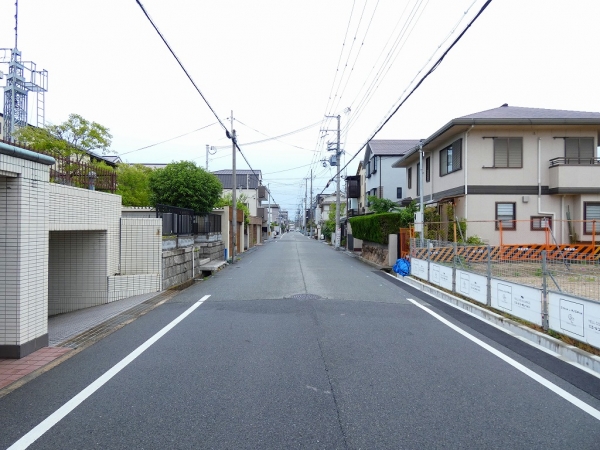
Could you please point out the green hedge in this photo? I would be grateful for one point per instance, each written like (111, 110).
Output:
(377, 227)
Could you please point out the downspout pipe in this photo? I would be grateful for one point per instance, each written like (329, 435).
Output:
(11, 150)
(539, 200)
(466, 172)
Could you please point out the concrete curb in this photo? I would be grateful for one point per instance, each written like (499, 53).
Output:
(573, 355)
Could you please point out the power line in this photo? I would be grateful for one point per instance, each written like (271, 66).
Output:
(423, 78)
(183, 68)
(170, 139)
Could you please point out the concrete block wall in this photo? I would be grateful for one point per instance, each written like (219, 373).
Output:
(176, 267)
(209, 250)
(23, 256)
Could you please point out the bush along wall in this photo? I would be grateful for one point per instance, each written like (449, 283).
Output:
(377, 227)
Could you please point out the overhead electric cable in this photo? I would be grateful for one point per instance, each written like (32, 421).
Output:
(168, 140)
(423, 78)
(183, 68)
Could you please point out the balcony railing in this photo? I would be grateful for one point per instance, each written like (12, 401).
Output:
(574, 162)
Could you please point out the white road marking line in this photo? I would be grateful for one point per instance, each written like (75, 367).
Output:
(530, 373)
(61, 412)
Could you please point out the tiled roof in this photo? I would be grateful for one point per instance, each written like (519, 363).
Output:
(394, 147)
(515, 113)
(237, 172)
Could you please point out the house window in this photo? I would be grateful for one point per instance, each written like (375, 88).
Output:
(418, 178)
(507, 214)
(374, 165)
(579, 150)
(508, 152)
(398, 192)
(409, 177)
(428, 169)
(450, 158)
(591, 213)
(369, 169)
(540, 222)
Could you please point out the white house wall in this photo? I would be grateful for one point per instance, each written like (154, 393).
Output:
(387, 177)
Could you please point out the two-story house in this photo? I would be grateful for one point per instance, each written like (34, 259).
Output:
(380, 179)
(518, 171)
(248, 187)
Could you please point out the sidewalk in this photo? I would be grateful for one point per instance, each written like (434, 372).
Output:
(76, 330)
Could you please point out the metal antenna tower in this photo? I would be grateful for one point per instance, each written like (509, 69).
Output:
(22, 78)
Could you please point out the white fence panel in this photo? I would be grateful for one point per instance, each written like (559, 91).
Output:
(575, 317)
(518, 300)
(418, 268)
(471, 285)
(440, 275)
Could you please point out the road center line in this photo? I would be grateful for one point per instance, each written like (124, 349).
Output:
(65, 409)
(530, 373)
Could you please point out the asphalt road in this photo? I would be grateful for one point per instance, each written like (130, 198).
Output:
(300, 346)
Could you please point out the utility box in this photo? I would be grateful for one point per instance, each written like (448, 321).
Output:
(419, 221)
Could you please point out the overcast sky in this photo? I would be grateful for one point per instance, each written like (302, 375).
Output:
(281, 66)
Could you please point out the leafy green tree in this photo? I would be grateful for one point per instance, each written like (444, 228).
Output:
(382, 205)
(329, 225)
(240, 201)
(185, 185)
(73, 138)
(134, 184)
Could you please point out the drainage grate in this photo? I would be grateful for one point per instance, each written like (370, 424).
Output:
(305, 297)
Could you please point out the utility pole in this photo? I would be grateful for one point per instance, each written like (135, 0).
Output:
(233, 194)
(269, 212)
(207, 147)
(305, 204)
(338, 152)
(310, 215)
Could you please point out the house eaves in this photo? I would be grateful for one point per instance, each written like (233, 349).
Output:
(388, 147)
(506, 115)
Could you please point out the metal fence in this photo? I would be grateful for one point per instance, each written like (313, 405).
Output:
(71, 171)
(175, 221)
(184, 221)
(570, 273)
(206, 224)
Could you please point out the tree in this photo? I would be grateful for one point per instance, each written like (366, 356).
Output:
(73, 139)
(381, 205)
(240, 201)
(329, 225)
(185, 185)
(134, 184)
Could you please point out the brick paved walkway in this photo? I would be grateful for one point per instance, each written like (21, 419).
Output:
(71, 330)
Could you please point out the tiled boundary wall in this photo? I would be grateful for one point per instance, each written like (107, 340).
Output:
(573, 316)
(24, 210)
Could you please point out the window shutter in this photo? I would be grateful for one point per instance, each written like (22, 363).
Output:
(515, 152)
(456, 155)
(586, 149)
(505, 212)
(443, 162)
(592, 212)
(572, 150)
(500, 152)
(428, 169)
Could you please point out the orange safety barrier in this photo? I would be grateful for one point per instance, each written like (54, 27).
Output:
(521, 252)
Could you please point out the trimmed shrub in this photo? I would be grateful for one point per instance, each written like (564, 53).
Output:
(377, 227)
